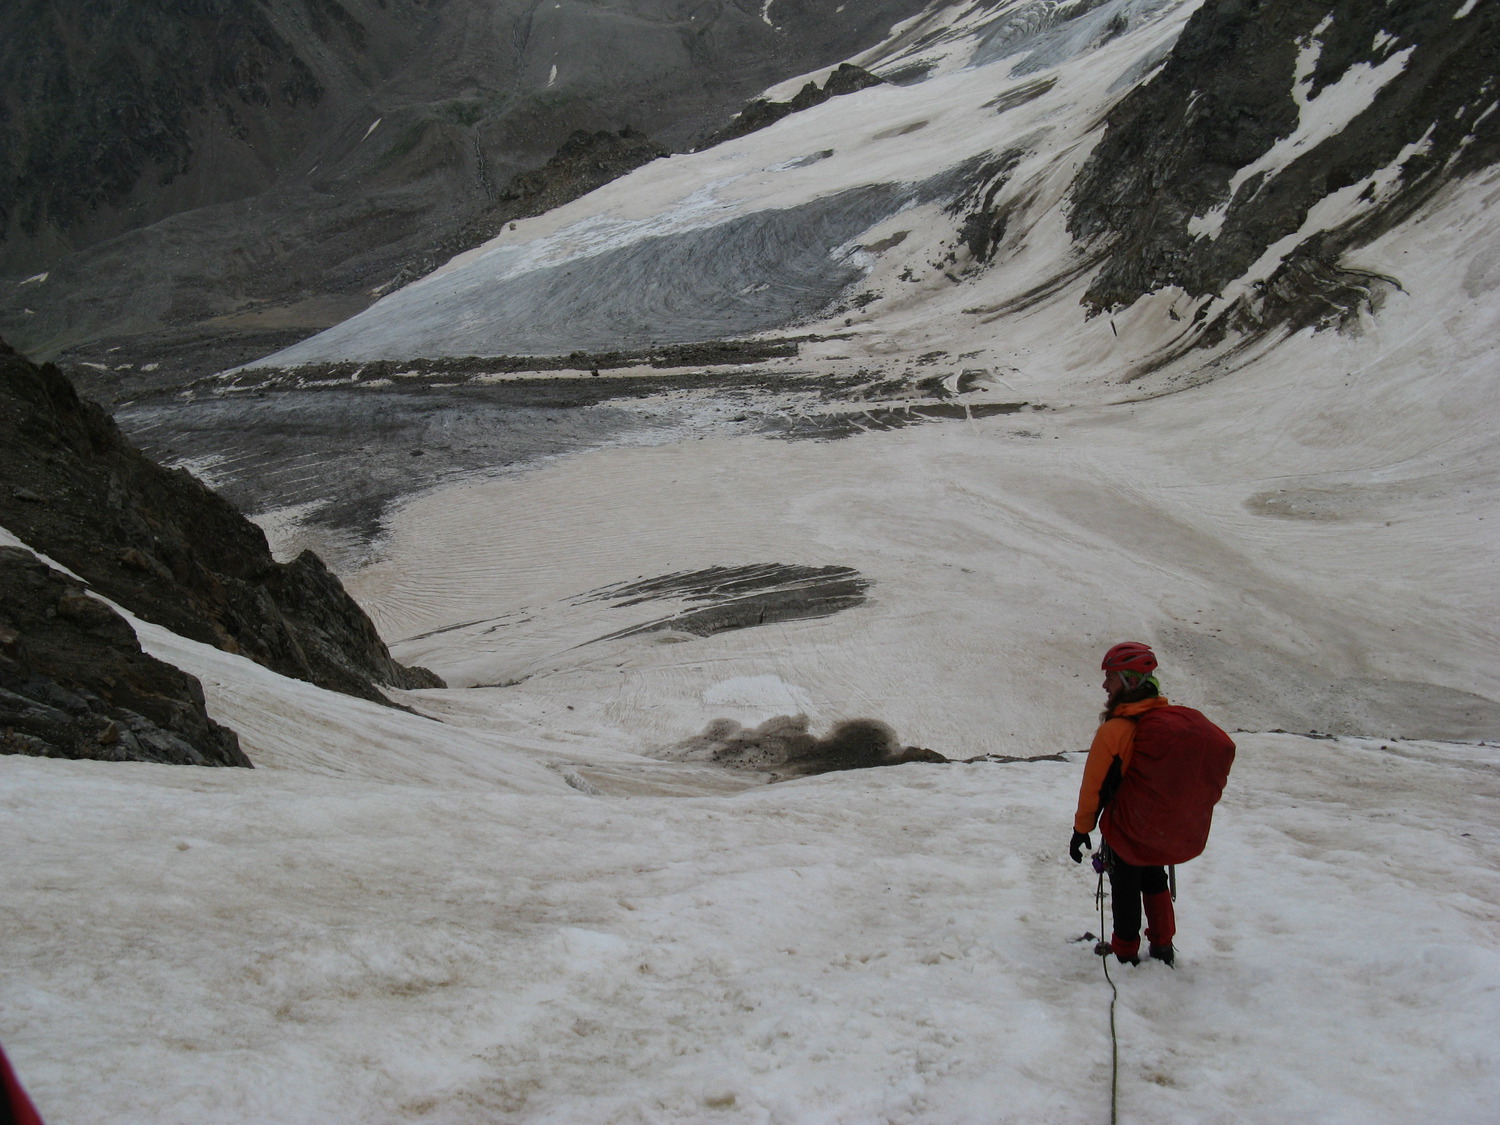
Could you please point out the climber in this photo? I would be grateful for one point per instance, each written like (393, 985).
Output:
(1153, 775)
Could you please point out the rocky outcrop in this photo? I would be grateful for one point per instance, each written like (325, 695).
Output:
(168, 549)
(586, 160)
(719, 599)
(758, 114)
(1189, 188)
(983, 222)
(74, 682)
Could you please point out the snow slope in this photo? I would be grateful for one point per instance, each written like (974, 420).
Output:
(535, 911)
(890, 945)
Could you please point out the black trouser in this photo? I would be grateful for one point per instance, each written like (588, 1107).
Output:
(1127, 883)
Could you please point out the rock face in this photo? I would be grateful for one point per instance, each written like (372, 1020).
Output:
(1214, 160)
(104, 100)
(74, 682)
(168, 549)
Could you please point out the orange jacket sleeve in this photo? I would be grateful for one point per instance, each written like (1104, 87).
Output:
(1114, 739)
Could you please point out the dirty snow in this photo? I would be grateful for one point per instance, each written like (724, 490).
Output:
(514, 906)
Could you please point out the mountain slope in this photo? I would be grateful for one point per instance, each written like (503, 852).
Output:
(1328, 124)
(926, 500)
(1322, 125)
(199, 177)
(913, 244)
(74, 682)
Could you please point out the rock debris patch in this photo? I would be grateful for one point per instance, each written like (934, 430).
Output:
(783, 747)
(723, 598)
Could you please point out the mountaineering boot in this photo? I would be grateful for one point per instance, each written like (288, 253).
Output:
(1129, 952)
(1161, 925)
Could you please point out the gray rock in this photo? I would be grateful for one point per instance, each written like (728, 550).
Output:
(1224, 98)
(168, 549)
(74, 682)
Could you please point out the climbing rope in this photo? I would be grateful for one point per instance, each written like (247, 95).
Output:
(1114, 1039)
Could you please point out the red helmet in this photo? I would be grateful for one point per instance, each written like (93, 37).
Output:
(1130, 656)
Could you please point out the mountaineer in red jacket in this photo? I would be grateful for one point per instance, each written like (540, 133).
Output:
(1153, 775)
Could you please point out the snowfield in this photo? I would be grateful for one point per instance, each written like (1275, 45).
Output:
(524, 901)
(889, 945)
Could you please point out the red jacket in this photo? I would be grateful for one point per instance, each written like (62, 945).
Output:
(15, 1106)
(1173, 765)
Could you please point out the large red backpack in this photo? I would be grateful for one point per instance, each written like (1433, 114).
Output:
(1178, 768)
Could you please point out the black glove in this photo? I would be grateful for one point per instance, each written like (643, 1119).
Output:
(1080, 840)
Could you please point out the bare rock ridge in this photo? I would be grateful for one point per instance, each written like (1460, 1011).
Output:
(1187, 187)
(760, 113)
(74, 682)
(168, 549)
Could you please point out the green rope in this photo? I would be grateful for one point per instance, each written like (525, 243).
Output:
(1114, 1039)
